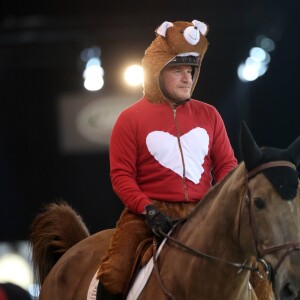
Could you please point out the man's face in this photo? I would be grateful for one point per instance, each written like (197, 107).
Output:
(177, 82)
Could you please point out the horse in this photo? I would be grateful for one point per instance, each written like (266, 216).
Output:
(247, 224)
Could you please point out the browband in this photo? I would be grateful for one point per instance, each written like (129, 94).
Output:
(271, 164)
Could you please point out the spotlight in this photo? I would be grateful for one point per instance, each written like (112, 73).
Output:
(93, 73)
(258, 61)
(134, 75)
(15, 269)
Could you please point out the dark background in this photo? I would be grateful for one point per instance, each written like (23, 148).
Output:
(40, 44)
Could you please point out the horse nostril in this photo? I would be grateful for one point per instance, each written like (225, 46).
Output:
(287, 293)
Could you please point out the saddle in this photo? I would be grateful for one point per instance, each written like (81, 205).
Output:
(142, 256)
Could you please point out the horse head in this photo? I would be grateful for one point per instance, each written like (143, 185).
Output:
(274, 211)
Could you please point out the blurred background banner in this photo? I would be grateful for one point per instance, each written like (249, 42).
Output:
(85, 122)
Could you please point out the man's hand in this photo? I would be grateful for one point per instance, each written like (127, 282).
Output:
(157, 221)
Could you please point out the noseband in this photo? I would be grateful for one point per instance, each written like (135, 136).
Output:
(260, 250)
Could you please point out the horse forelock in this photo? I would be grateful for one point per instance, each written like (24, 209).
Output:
(283, 179)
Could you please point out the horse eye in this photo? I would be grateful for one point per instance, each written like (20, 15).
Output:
(259, 203)
(181, 31)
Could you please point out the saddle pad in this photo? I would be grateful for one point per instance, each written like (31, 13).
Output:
(138, 284)
(92, 291)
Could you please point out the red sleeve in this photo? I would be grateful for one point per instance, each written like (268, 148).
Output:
(222, 154)
(123, 157)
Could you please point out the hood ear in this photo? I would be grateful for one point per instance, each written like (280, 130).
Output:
(162, 29)
(201, 26)
(294, 151)
(250, 151)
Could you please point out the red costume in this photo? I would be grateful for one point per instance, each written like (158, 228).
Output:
(167, 154)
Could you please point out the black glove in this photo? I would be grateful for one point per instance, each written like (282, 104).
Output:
(157, 221)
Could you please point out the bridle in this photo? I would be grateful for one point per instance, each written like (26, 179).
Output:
(261, 252)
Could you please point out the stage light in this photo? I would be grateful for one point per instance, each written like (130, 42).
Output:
(134, 75)
(93, 77)
(15, 269)
(258, 60)
(257, 54)
(93, 73)
(247, 72)
(266, 43)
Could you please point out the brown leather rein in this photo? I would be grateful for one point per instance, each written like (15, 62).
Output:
(259, 249)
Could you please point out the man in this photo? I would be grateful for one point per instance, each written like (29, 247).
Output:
(163, 149)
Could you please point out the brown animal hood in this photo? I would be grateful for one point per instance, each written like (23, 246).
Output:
(173, 39)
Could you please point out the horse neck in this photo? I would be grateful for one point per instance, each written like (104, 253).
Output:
(214, 224)
(210, 229)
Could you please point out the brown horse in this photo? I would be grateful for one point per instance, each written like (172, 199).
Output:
(249, 220)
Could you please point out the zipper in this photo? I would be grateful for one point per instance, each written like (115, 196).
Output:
(186, 196)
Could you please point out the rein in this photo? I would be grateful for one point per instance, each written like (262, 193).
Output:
(240, 266)
(260, 252)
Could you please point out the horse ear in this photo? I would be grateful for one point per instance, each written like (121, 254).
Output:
(294, 151)
(250, 151)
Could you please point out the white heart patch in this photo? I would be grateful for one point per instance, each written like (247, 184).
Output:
(165, 149)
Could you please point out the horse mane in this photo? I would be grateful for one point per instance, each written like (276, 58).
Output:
(54, 230)
(231, 183)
